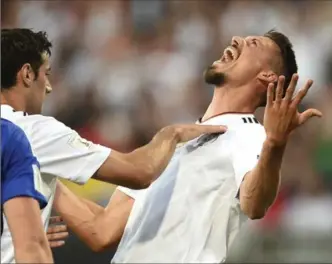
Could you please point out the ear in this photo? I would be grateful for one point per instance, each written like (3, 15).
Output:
(27, 75)
(267, 77)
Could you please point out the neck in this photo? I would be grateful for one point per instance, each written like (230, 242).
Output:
(12, 98)
(231, 100)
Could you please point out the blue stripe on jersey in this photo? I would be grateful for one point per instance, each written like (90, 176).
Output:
(17, 161)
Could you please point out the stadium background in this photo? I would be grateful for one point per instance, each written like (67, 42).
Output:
(123, 69)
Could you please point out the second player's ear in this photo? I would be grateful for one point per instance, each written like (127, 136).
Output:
(27, 75)
(267, 77)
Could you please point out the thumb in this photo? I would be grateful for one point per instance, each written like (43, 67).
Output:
(306, 115)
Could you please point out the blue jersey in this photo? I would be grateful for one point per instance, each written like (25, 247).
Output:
(19, 167)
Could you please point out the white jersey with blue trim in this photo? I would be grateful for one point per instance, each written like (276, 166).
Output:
(192, 212)
(61, 152)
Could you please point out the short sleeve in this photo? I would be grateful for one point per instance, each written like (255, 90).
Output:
(20, 169)
(61, 151)
(248, 142)
(135, 194)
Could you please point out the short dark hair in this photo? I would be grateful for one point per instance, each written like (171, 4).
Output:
(20, 46)
(289, 65)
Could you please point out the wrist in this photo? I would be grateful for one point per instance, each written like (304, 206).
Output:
(172, 133)
(273, 142)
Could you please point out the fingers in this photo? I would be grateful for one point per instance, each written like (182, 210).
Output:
(57, 229)
(270, 94)
(55, 219)
(302, 93)
(306, 115)
(189, 132)
(57, 236)
(280, 89)
(291, 88)
(56, 244)
(208, 129)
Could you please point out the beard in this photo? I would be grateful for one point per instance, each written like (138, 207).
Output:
(211, 76)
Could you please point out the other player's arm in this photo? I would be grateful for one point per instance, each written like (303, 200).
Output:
(22, 202)
(139, 168)
(63, 153)
(98, 227)
(260, 186)
(26, 227)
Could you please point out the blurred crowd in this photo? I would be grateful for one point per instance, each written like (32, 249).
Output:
(121, 70)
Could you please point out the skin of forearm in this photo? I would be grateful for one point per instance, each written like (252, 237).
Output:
(260, 186)
(35, 251)
(98, 227)
(94, 207)
(74, 211)
(157, 154)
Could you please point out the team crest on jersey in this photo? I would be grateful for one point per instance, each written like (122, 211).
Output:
(203, 140)
(79, 143)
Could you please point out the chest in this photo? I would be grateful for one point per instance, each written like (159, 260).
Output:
(201, 165)
(207, 154)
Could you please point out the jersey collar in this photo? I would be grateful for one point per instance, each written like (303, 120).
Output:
(227, 118)
(7, 111)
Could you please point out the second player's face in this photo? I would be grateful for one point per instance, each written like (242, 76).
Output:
(41, 86)
(244, 59)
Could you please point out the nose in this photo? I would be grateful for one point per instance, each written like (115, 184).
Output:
(236, 41)
(48, 89)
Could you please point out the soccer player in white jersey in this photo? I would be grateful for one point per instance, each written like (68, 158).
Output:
(213, 184)
(60, 151)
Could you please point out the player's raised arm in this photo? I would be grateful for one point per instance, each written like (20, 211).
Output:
(139, 168)
(260, 186)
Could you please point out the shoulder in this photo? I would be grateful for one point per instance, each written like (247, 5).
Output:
(37, 123)
(249, 133)
(38, 120)
(13, 133)
(7, 126)
(40, 125)
(15, 144)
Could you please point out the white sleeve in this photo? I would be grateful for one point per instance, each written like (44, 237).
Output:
(131, 193)
(61, 152)
(246, 150)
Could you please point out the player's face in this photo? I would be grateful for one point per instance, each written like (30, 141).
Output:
(243, 60)
(40, 87)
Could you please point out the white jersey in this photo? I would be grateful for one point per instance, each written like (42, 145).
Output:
(61, 152)
(192, 212)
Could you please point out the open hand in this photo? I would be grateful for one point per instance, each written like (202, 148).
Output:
(56, 233)
(281, 115)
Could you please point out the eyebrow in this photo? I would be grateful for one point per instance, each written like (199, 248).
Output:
(49, 69)
(253, 38)
(259, 41)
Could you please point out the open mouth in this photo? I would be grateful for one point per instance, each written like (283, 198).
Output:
(230, 54)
